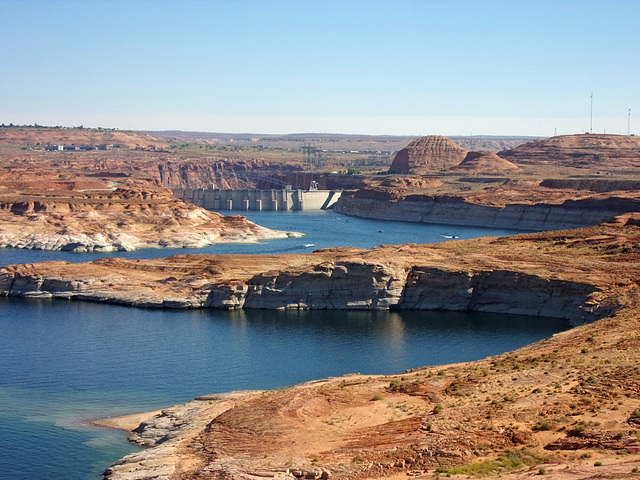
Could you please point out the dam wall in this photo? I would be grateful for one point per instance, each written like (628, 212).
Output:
(269, 200)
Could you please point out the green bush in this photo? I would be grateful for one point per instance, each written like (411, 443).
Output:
(577, 430)
(543, 426)
(510, 460)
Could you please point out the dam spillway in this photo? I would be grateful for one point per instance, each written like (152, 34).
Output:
(259, 200)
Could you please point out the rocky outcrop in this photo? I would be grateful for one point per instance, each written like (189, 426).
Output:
(117, 220)
(427, 155)
(484, 162)
(496, 291)
(586, 150)
(406, 182)
(221, 173)
(471, 275)
(457, 210)
(166, 433)
(333, 286)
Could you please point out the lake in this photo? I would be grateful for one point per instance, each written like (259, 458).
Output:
(62, 363)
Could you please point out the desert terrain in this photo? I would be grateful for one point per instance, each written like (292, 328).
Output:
(566, 407)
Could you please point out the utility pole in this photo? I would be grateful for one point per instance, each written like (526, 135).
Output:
(591, 115)
(629, 123)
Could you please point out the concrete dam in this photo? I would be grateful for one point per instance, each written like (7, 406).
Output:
(274, 199)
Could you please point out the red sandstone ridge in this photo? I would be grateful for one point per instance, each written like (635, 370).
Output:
(428, 155)
(586, 150)
(485, 162)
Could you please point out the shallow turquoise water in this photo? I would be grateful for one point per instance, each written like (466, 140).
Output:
(62, 363)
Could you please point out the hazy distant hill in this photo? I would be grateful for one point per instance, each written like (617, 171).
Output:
(334, 141)
(27, 135)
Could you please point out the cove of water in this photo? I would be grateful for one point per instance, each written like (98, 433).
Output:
(62, 363)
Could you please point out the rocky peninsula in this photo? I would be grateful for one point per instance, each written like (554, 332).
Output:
(534, 274)
(566, 406)
(115, 219)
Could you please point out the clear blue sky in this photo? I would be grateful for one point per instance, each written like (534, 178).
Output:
(451, 67)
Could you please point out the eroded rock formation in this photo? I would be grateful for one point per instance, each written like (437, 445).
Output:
(116, 220)
(525, 210)
(485, 162)
(493, 275)
(427, 155)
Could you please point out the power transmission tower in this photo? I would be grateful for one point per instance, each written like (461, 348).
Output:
(312, 156)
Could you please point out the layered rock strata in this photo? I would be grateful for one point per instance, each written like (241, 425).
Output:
(485, 162)
(466, 210)
(427, 155)
(525, 274)
(116, 220)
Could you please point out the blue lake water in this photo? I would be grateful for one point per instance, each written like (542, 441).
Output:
(62, 363)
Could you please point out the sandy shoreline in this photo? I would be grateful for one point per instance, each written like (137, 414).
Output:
(125, 422)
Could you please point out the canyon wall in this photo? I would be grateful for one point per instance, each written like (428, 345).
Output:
(450, 210)
(340, 285)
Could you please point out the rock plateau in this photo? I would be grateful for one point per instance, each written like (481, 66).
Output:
(115, 220)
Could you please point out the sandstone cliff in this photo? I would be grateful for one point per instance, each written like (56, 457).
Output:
(517, 205)
(116, 220)
(532, 274)
(426, 155)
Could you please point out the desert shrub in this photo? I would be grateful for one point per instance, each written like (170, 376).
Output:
(543, 425)
(577, 430)
(510, 460)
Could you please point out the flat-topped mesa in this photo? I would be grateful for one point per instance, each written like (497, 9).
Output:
(485, 162)
(585, 150)
(427, 155)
